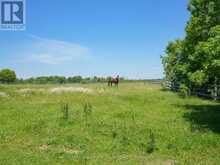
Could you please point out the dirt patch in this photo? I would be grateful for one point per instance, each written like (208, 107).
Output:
(3, 94)
(160, 162)
(71, 151)
(169, 162)
(71, 90)
(44, 147)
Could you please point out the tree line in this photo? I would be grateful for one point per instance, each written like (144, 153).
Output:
(8, 76)
(194, 61)
(61, 80)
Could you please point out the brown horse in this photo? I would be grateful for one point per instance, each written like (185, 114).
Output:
(113, 81)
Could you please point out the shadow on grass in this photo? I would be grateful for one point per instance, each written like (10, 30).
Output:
(165, 89)
(203, 117)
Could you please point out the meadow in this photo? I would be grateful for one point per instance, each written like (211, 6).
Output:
(137, 123)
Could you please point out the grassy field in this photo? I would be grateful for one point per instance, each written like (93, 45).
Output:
(135, 124)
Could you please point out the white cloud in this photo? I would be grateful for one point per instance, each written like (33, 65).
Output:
(53, 51)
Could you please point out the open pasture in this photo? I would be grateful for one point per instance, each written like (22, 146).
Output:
(136, 123)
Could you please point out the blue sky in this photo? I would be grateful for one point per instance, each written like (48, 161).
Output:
(93, 37)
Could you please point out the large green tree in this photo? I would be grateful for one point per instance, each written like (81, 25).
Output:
(195, 60)
(7, 76)
(174, 64)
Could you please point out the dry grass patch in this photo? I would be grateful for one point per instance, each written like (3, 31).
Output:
(25, 90)
(29, 90)
(71, 90)
(71, 150)
(3, 94)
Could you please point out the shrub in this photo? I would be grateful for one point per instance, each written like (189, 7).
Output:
(184, 91)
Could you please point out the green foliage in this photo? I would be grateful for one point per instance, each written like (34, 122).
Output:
(198, 78)
(195, 60)
(174, 62)
(184, 90)
(7, 76)
(75, 79)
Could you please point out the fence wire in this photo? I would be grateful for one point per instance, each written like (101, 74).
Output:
(210, 92)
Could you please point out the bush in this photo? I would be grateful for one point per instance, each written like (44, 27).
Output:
(184, 91)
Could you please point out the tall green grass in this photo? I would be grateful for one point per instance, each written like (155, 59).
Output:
(136, 123)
